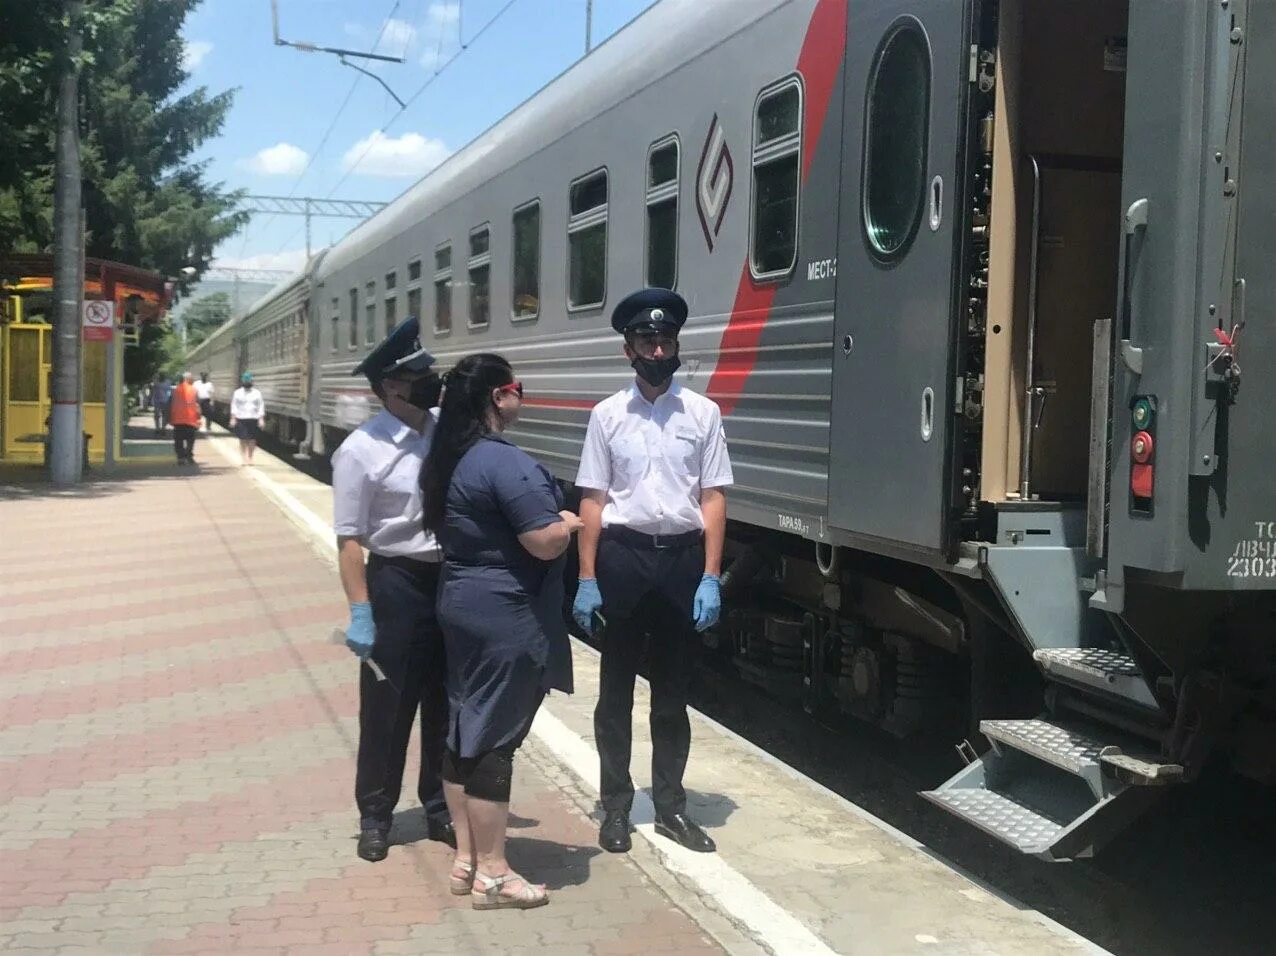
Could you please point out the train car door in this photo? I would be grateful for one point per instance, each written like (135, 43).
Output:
(900, 229)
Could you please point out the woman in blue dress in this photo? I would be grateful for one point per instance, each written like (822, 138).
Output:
(499, 518)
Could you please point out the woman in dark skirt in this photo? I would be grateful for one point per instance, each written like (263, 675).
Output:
(499, 518)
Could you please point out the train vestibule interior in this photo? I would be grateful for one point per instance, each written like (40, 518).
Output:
(1053, 245)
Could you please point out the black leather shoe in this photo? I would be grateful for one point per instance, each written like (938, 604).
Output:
(441, 832)
(373, 845)
(682, 829)
(613, 835)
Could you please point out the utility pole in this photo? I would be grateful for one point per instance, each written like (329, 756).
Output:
(589, 26)
(65, 443)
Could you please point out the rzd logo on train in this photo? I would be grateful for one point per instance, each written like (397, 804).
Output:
(713, 181)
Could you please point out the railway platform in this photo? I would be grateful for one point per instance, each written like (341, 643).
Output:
(177, 740)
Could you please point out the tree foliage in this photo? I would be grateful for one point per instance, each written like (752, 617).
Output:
(203, 316)
(147, 202)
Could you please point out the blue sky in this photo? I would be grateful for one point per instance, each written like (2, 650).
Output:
(287, 99)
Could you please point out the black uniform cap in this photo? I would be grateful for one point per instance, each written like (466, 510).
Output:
(400, 351)
(651, 309)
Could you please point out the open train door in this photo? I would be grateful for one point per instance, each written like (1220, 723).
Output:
(900, 232)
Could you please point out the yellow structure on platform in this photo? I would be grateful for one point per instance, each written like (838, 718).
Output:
(26, 353)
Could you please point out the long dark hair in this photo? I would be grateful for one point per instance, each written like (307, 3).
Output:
(467, 398)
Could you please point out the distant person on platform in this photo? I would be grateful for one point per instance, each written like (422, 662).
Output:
(247, 416)
(204, 390)
(183, 412)
(161, 392)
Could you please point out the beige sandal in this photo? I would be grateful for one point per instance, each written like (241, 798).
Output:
(491, 897)
(461, 885)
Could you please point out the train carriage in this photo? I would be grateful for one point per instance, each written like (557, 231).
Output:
(972, 281)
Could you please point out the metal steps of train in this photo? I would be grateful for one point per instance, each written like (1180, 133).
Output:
(1097, 670)
(1052, 788)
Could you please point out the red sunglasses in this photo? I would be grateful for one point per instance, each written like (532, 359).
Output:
(515, 387)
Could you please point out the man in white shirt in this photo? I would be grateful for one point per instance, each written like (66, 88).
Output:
(204, 392)
(377, 505)
(247, 416)
(653, 474)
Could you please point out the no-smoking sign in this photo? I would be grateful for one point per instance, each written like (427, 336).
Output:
(99, 320)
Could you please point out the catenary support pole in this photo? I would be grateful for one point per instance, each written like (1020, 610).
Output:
(68, 291)
(589, 25)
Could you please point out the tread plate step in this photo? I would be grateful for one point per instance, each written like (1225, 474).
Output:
(1064, 747)
(998, 816)
(1111, 672)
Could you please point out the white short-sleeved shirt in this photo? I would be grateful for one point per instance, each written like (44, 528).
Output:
(247, 404)
(376, 490)
(653, 460)
(203, 391)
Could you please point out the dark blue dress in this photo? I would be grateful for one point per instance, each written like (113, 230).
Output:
(501, 609)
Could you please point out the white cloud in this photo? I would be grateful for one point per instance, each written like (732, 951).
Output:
(445, 12)
(193, 54)
(397, 38)
(282, 159)
(289, 261)
(433, 57)
(409, 155)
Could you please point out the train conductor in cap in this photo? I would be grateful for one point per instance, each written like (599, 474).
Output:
(653, 474)
(377, 506)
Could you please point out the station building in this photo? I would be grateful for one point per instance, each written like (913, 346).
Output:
(118, 301)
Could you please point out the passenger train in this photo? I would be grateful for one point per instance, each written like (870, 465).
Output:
(973, 282)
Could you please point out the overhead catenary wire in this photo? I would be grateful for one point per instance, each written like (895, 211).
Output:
(421, 89)
(410, 100)
(332, 125)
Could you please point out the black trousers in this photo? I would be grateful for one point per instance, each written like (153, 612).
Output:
(184, 442)
(409, 650)
(647, 601)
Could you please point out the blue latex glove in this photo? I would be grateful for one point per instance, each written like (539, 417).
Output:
(588, 601)
(362, 633)
(708, 604)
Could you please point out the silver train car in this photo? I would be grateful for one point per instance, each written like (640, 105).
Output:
(972, 282)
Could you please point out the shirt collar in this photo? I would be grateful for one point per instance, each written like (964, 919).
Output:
(399, 431)
(673, 392)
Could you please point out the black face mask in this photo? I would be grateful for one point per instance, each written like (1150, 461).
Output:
(655, 372)
(424, 393)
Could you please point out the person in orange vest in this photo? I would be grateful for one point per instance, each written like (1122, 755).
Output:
(183, 415)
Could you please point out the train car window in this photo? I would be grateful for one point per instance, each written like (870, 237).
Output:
(336, 322)
(443, 289)
(587, 242)
(354, 318)
(370, 323)
(391, 280)
(414, 304)
(526, 289)
(414, 270)
(479, 266)
(662, 214)
(896, 121)
(391, 313)
(777, 154)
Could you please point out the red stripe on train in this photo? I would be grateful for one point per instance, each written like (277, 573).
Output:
(584, 403)
(819, 62)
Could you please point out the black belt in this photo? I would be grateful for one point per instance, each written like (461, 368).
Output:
(652, 542)
(401, 561)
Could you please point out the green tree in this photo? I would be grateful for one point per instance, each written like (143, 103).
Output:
(203, 316)
(146, 201)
